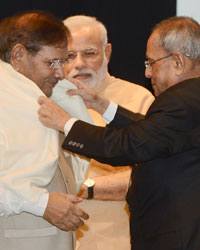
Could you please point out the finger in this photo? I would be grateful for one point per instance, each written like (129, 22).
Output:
(76, 221)
(80, 213)
(78, 83)
(73, 198)
(67, 225)
(73, 92)
(44, 112)
(42, 99)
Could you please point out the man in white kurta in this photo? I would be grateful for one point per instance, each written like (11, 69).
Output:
(28, 162)
(36, 209)
(89, 54)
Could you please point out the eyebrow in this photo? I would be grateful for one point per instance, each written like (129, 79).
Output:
(57, 59)
(89, 48)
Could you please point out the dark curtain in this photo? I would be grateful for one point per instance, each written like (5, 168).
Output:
(129, 23)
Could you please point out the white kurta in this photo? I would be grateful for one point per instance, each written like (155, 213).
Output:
(28, 150)
(28, 163)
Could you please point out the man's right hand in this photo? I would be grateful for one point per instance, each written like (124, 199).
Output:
(62, 212)
(91, 98)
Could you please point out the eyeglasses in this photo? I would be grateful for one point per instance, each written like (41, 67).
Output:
(86, 54)
(54, 64)
(148, 63)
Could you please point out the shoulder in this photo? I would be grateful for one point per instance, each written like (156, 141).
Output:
(183, 96)
(128, 85)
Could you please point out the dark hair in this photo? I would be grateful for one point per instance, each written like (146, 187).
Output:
(33, 29)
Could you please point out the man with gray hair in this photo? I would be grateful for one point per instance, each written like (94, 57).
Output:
(163, 196)
(88, 57)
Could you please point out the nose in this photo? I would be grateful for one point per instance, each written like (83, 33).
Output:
(79, 62)
(59, 73)
(148, 72)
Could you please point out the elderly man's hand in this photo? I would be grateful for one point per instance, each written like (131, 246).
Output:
(91, 98)
(63, 213)
(51, 114)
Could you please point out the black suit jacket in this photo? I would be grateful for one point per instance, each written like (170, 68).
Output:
(164, 149)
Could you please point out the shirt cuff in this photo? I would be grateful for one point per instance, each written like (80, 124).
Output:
(108, 116)
(39, 208)
(12, 203)
(110, 112)
(69, 124)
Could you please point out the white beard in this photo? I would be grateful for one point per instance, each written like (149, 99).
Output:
(96, 77)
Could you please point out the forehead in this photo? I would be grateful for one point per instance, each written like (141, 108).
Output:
(57, 52)
(153, 48)
(85, 36)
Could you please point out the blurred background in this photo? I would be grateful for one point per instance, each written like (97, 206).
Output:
(129, 23)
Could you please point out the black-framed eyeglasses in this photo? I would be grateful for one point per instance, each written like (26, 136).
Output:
(148, 63)
(54, 64)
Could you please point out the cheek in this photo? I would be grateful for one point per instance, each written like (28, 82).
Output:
(68, 68)
(96, 64)
(42, 76)
(158, 74)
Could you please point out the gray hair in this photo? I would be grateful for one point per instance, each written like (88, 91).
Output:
(79, 20)
(180, 34)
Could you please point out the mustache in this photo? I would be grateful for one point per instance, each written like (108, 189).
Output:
(75, 72)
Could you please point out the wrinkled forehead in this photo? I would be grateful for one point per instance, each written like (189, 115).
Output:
(153, 46)
(85, 36)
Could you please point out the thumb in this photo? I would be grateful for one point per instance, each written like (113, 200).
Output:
(41, 100)
(78, 83)
(73, 198)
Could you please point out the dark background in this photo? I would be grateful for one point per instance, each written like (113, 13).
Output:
(129, 23)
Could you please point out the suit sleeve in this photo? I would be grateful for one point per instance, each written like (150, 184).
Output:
(164, 131)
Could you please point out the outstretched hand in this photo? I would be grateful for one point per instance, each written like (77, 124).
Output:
(51, 114)
(90, 97)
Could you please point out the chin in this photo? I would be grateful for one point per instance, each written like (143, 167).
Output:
(89, 82)
(48, 93)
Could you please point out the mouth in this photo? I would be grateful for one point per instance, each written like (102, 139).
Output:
(82, 76)
(52, 84)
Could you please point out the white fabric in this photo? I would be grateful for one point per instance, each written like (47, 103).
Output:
(27, 160)
(68, 125)
(75, 106)
(108, 116)
(24, 230)
(110, 112)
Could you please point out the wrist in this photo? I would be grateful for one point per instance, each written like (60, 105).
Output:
(68, 125)
(101, 104)
(89, 183)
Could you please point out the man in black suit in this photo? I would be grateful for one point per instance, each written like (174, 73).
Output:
(164, 147)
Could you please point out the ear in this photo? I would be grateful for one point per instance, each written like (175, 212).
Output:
(17, 54)
(179, 63)
(108, 51)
